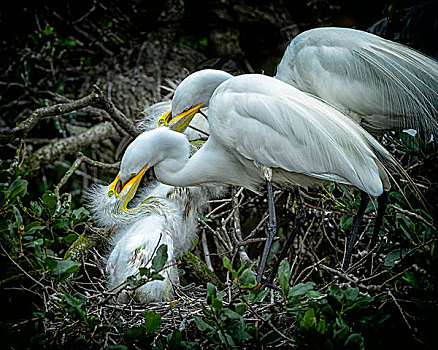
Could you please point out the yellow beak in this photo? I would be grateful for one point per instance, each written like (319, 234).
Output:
(116, 188)
(180, 122)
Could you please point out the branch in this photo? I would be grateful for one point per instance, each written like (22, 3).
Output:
(25, 126)
(95, 98)
(60, 147)
(118, 117)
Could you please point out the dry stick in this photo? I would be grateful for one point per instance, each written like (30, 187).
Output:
(415, 215)
(206, 252)
(399, 308)
(95, 98)
(339, 273)
(217, 235)
(21, 269)
(237, 228)
(25, 126)
(117, 116)
(82, 158)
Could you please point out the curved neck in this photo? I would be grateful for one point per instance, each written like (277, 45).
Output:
(212, 165)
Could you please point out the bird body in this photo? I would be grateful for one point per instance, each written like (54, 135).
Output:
(160, 214)
(255, 122)
(381, 84)
(140, 221)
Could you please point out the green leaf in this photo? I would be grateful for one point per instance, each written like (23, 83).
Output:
(144, 271)
(74, 301)
(346, 221)
(152, 321)
(395, 256)
(49, 202)
(336, 292)
(132, 281)
(227, 263)
(241, 334)
(36, 208)
(301, 289)
(18, 188)
(356, 338)
(201, 324)
(211, 292)
(64, 267)
(80, 213)
(313, 294)
(240, 308)
(203, 218)
(32, 228)
(351, 294)
(248, 279)
(174, 340)
(232, 315)
(157, 277)
(71, 238)
(259, 296)
(160, 258)
(309, 319)
(116, 347)
(18, 218)
(134, 332)
(343, 330)
(61, 224)
(284, 276)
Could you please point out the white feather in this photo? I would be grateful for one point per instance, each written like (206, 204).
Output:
(379, 83)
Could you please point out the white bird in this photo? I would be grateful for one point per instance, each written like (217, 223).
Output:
(158, 214)
(381, 84)
(260, 128)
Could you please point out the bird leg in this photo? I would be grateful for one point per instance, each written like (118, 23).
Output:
(354, 233)
(382, 202)
(272, 227)
(299, 220)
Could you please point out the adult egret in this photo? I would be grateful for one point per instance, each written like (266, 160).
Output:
(381, 84)
(157, 214)
(261, 129)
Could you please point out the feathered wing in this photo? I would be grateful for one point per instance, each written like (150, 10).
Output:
(387, 85)
(281, 127)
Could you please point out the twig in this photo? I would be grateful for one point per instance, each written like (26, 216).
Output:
(25, 126)
(399, 308)
(206, 252)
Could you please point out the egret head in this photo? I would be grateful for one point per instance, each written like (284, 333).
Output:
(147, 150)
(193, 93)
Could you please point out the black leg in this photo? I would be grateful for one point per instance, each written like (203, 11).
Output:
(272, 230)
(382, 202)
(299, 220)
(354, 233)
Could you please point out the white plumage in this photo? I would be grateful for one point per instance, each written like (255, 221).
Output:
(381, 84)
(158, 214)
(259, 121)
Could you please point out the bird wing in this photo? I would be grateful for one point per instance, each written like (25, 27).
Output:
(375, 78)
(281, 127)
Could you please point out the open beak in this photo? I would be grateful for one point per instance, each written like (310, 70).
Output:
(116, 188)
(180, 122)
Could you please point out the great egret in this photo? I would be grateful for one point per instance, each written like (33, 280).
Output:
(261, 129)
(158, 214)
(381, 84)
